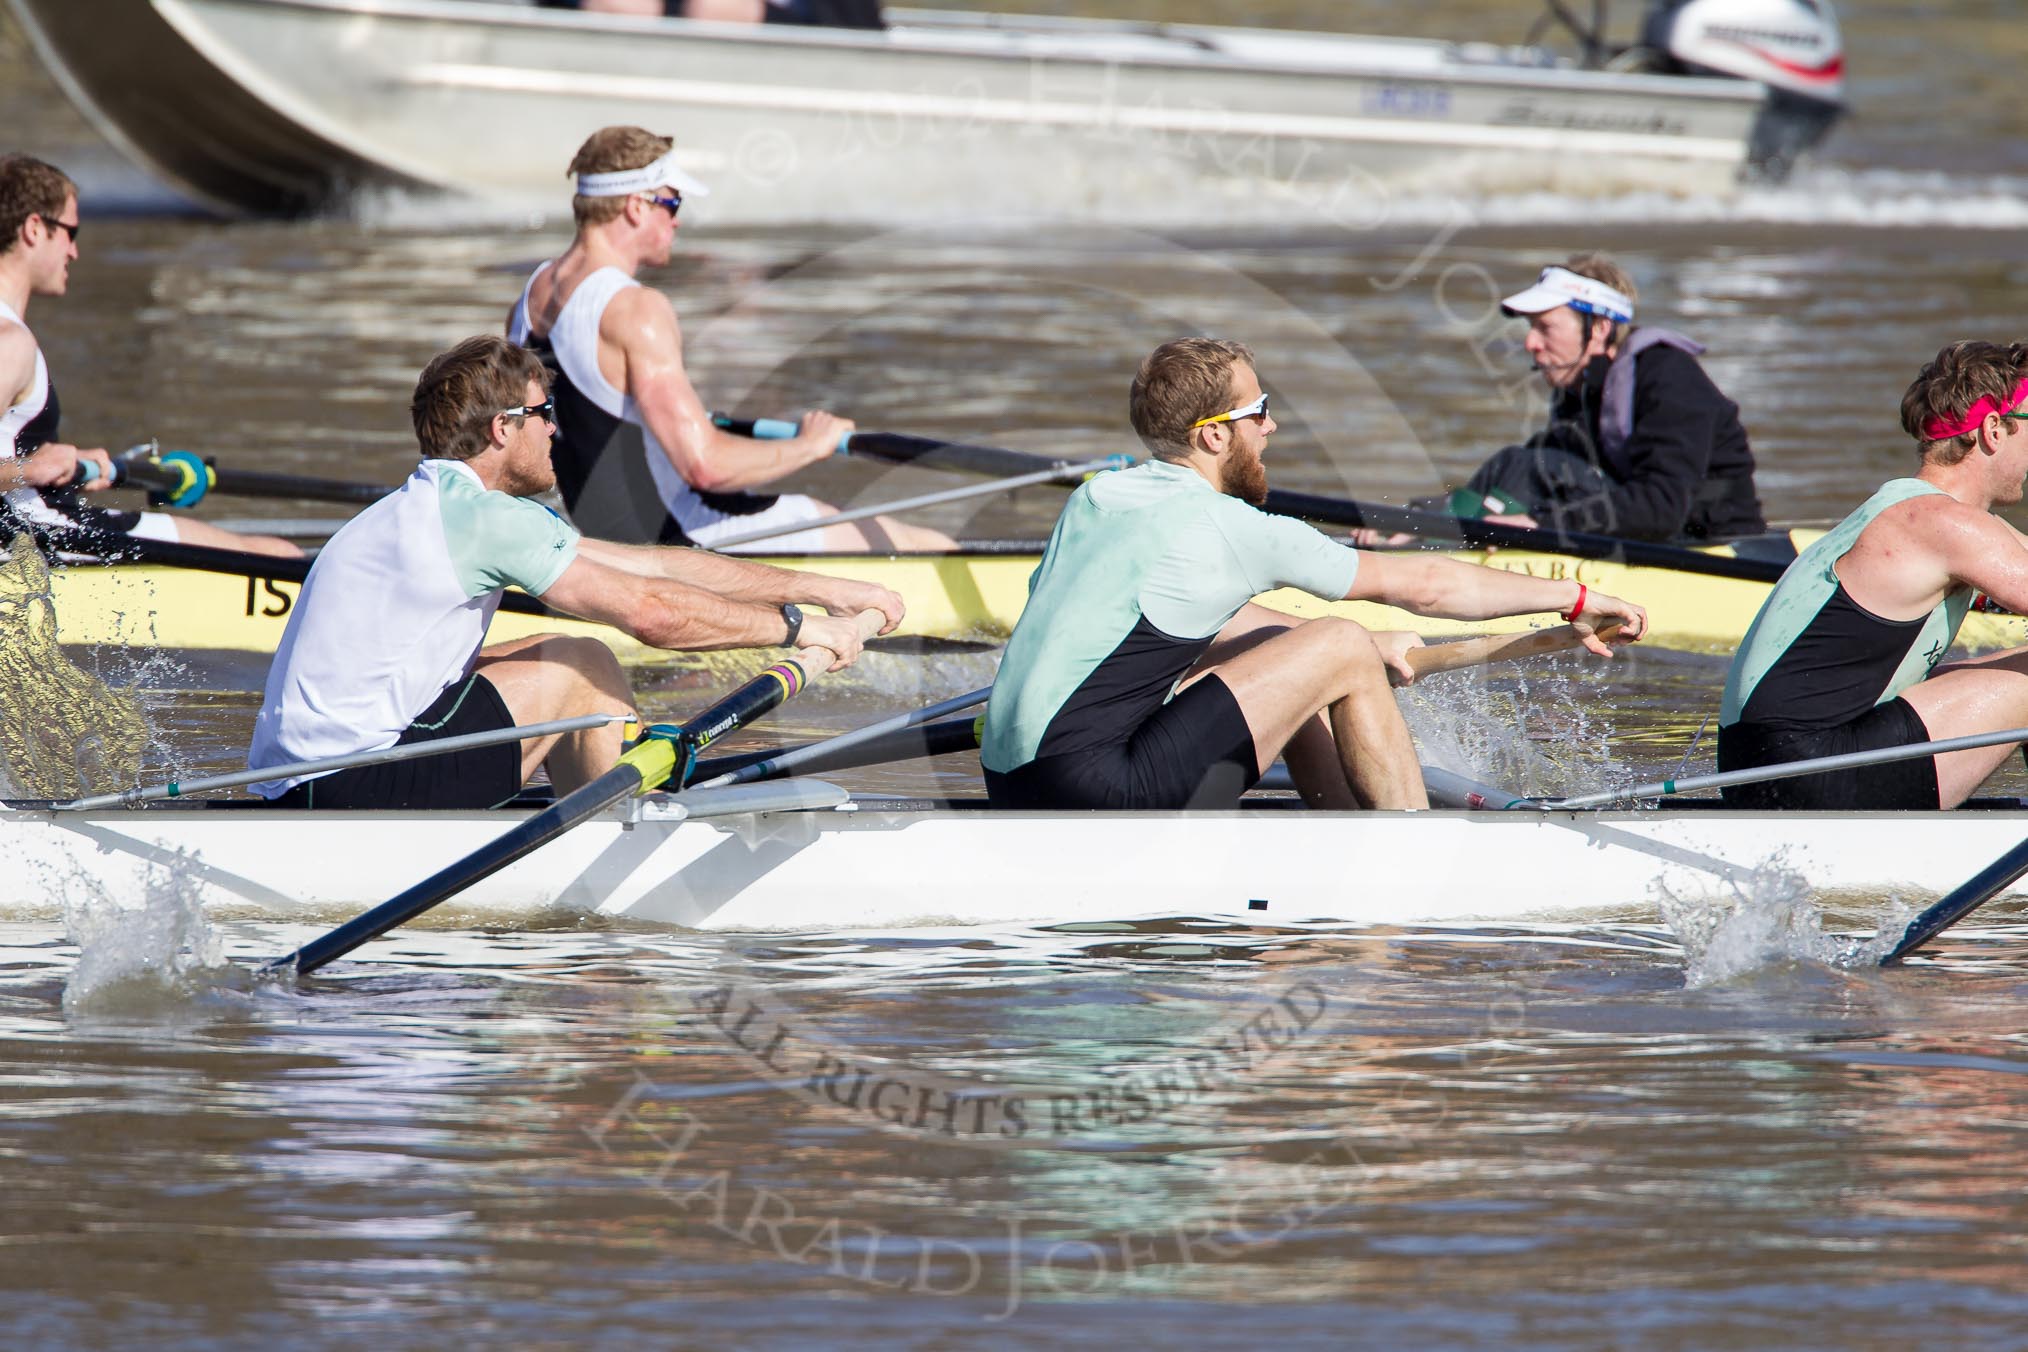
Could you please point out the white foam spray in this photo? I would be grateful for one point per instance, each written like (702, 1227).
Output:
(1772, 918)
(149, 957)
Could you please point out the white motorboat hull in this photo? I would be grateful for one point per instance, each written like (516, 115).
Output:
(291, 105)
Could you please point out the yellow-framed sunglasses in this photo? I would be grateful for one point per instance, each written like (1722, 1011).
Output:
(1258, 408)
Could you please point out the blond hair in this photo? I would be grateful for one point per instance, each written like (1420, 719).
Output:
(612, 150)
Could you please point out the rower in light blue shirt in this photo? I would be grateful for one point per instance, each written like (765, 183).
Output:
(1141, 675)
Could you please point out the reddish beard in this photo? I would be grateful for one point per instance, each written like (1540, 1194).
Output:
(1243, 476)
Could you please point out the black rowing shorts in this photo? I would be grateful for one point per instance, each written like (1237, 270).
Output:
(1196, 751)
(1896, 786)
(478, 777)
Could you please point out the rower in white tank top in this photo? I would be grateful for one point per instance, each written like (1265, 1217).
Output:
(603, 443)
(57, 514)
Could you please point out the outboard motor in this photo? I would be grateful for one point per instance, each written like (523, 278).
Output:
(1791, 46)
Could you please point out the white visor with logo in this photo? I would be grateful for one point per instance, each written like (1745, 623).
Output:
(1560, 286)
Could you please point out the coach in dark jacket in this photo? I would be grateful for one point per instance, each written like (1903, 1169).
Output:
(1639, 443)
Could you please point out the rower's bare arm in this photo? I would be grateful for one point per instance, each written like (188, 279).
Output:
(665, 613)
(1983, 551)
(643, 325)
(1429, 584)
(748, 580)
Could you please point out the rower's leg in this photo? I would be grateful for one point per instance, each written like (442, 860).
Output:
(191, 532)
(548, 677)
(1312, 753)
(1282, 681)
(888, 534)
(1979, 694)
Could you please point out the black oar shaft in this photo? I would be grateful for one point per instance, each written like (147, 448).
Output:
(665, 756)
(750, 701)
(947, 737)
(612, 787)
(1482, 534)
(1346, 512)
(1973, 893)
(175, 480)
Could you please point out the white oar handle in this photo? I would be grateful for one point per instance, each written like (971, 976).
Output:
(1472, 652)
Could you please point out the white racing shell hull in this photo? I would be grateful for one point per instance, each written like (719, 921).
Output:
(870, 866)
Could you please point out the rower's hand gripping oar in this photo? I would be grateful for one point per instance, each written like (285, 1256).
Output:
(181, 479)
(664, 755)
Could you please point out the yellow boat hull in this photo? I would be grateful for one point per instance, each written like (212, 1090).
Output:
(958, 596)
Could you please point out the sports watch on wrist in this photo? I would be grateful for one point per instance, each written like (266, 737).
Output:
(793, 615)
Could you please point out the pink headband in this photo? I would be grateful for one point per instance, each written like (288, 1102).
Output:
(1943, 429)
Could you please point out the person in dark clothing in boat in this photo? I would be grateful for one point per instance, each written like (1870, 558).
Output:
(815, 13)
(1639, 444)
(1844, 655)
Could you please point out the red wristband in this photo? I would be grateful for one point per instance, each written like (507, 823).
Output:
(1578, 609)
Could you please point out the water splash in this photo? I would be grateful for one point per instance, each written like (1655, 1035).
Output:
(1773, 918)
(148, 958)
(1538, 732)
(63, 731)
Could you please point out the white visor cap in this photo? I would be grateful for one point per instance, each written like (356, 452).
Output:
(1560, 286)
(663, 173)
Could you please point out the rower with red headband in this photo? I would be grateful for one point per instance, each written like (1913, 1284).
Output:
(1847, 653)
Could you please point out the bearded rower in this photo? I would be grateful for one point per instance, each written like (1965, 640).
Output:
(1847, 652)
(1141, 676)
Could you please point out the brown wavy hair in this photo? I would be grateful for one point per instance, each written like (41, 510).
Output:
(1956, 378)
(460, 390)
(28, 187)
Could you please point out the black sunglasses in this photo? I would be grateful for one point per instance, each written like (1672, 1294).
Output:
(70, 228)
(546, 410)
(671, 204)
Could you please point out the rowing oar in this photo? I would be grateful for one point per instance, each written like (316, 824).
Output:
(950, 737)
(181, 479)
(1475, 652)
(834, 752)
(1973, 893)
(902, 449)
(1760, 774)
(665, 754)
(1346, 512)
(1052, 474)
(156, 793)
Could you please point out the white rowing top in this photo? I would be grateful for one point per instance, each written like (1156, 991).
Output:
(574, 338)
(25, 501)
(394, 613)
